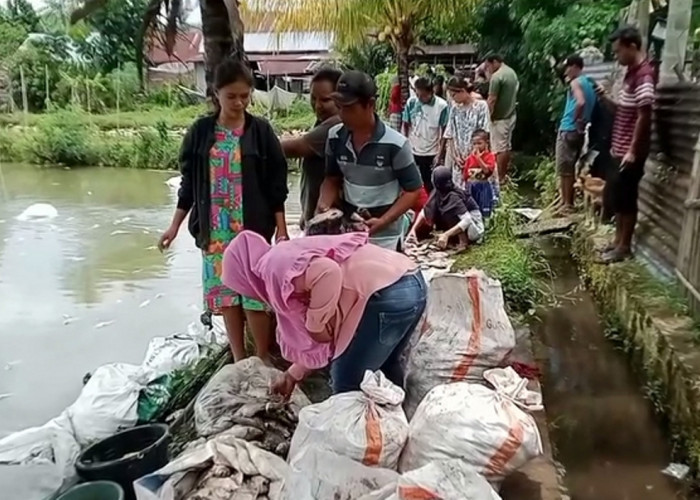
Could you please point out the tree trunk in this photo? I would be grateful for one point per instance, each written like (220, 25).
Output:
(402, 63)
(222, 28)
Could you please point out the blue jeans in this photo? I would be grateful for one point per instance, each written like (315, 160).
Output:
(390, 317)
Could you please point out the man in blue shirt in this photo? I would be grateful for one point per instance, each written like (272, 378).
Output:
(580, 101)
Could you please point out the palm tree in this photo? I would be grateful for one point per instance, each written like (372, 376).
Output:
(352, 21)
(222, 28)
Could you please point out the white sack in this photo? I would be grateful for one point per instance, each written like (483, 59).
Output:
(176, 480)
(443, 480)
(368, 426)
(466, 331)
(108, 402)
(167, 354)
(37, 463)
(235, 385)
(486, 428)
(319, 474)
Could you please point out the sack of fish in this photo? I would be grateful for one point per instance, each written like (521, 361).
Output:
(469, 424)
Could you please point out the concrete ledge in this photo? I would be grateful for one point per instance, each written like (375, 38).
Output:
(644, 318)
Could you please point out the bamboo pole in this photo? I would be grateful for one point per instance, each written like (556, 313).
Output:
(119, 79)
(25, 102)
(47, 101)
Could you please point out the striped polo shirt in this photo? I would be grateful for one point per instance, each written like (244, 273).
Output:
(637, 91)
(374, 177)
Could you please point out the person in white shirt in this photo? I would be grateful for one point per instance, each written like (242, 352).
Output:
(424, 120)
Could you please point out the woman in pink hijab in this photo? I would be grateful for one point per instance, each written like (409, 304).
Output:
(339, 300)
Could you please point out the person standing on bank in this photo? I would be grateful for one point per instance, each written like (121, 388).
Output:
(338, 300)
(580, 102)
(234, 176)
(311, 147)
(631, 138)
(502, 100)
(466, 116)
(371, 164)
(424, 121)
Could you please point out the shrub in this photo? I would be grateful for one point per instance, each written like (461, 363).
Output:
(62, 140)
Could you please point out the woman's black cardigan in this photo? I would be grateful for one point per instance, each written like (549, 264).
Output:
(264, 177)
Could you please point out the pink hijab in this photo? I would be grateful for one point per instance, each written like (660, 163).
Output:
(259, 271)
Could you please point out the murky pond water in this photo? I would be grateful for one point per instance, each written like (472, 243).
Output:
(602, 427)
(87, 287)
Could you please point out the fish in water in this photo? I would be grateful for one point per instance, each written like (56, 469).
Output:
(5, 396)
(103, 324)
(38, 211)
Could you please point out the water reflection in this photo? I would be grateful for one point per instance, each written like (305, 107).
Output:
(87, 287)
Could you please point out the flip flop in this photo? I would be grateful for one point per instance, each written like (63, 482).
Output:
(614, 256)
(608, 247)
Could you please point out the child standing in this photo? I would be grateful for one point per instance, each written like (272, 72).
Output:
(479, 173)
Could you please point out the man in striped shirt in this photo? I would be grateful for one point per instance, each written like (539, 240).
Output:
(631, 138)
(371, 164)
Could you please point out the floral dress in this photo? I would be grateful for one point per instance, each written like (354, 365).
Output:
(464, 121)
(225, 172)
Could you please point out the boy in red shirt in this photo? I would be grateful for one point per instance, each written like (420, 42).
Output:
(479, 172)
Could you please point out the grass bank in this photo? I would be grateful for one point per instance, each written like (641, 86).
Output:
(519, 264)
(148, 138)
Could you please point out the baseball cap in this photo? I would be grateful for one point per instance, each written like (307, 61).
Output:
(354, 86)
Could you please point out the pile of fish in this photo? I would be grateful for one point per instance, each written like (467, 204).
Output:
(429, 256)
(221, 482)
(334, 221)
(236, 403)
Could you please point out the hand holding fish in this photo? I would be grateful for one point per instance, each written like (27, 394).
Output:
(283, 385)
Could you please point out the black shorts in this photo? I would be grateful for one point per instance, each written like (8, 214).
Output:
(622, 186)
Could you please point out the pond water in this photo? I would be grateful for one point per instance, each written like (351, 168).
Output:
(87, 287)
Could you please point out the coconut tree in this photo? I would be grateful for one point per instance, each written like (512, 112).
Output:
(352, 21)
(222, 27)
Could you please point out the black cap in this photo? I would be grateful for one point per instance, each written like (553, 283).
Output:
(354, 86)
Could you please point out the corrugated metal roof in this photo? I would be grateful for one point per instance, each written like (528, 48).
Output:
(293, 41)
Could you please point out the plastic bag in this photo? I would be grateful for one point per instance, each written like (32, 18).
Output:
(368, 426)
(319, 474)
(108, 402)
(443, 480)
(239, 393)
(466, 331)
(196, 473)
(38, 463)
(486, 428)
(167, 354)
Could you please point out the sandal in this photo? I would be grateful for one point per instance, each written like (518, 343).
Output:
(613, 256)
(608, 247)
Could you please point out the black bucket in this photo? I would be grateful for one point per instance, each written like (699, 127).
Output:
(99, 490)
(126, 456)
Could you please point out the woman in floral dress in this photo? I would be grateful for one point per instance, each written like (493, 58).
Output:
(467, 115)
(234, 176)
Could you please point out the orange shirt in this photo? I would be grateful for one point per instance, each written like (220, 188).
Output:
(473, 163)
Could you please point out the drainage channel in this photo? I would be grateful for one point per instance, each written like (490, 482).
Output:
(603, 429)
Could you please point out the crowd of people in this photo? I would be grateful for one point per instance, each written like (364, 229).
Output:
(352, 300)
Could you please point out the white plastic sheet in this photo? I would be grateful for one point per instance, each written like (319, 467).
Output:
(489, 429)
(465, 331)
(167, 354)
(177, 479)
(319, 474)
(37, 463)
(443, 480)
(108, 402)
(368, 426)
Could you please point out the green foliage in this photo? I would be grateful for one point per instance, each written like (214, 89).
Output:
(534, 36)
(371, 57)
(62, 141)
(384, 83)
(543, 175)
(22, 14)
(118, 25)
(519, 265)
(11, 37)
(456, 28)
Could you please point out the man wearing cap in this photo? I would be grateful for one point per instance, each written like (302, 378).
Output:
(580, 101)
(371, 163)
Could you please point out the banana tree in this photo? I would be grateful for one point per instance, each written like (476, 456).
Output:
(352, 21)
(222, 28)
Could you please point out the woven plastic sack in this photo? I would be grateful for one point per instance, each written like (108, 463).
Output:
(489, 429)
(465, 331)
(368, 426)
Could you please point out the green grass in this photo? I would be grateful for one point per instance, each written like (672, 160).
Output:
(518, 264)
